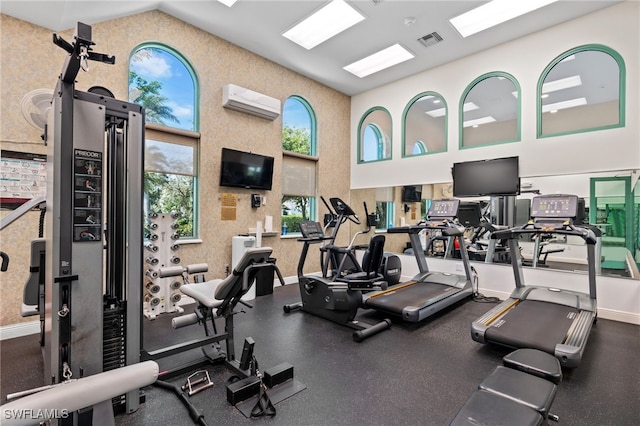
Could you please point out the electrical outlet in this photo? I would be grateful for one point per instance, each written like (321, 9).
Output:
(459, 267)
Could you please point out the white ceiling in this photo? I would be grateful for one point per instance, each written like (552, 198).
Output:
(257, 25)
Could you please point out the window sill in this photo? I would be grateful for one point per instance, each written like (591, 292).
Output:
(290, 236)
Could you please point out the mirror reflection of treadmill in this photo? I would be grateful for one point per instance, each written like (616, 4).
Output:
(550, 319)
(429, 291)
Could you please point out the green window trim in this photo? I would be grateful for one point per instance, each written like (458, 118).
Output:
(172, 135)
(516, 84)
(376, 128)
(621, 98)
(313, 122)
(404, 125)
(188, 67)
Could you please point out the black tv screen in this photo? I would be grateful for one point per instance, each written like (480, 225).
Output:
(412, 194)
(246, 170)
(499, 176)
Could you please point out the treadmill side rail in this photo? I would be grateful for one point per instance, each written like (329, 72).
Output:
(480, 326)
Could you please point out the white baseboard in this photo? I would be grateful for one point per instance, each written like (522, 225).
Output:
(19, 330)
(613, 315)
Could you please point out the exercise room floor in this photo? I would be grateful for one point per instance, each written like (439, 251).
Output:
(409, 375)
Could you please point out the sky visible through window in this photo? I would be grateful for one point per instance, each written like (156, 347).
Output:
(295, 115)
(177, 85)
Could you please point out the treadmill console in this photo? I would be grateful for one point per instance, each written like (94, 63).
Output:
(443, 209)
(554, 206)
(311, 230)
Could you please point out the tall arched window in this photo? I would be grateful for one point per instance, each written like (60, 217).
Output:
(298, 163)
(165, 84)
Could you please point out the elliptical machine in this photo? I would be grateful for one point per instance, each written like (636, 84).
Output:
(340, 263)
(334, 300)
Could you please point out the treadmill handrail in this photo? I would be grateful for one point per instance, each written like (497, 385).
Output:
(508, 234)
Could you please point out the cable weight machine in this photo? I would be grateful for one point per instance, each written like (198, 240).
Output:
(94, 245)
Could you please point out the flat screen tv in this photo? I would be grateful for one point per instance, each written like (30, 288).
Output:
(246, 170)
(495, 177)
(412, 194)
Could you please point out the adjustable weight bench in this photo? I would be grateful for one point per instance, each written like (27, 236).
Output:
(217, 298)
(521, 391)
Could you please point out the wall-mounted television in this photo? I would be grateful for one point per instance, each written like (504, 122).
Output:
(246, 170)
(494, 177)
(412, 194)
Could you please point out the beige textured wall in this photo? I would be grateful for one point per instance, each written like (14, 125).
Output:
(29, 60)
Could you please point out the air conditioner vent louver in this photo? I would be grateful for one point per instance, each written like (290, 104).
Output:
(430, 39)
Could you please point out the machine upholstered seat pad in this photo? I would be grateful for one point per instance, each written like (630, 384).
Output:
(521, 387)
(213, 293)
(533, 324)
(204, 292)
(535, 362)
(490, 409)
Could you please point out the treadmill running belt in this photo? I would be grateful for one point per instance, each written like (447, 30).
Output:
(417, 295)
(533, 324)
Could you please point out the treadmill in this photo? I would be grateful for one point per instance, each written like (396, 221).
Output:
(428, 292)
(545, 318)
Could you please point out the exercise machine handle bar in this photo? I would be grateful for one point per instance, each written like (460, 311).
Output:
(366, 231)
(587, 234)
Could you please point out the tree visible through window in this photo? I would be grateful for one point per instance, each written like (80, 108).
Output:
(298, 184)
(165, 85)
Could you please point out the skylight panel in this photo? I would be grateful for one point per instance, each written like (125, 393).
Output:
(494, 13)
(327, 22)
(383, 59)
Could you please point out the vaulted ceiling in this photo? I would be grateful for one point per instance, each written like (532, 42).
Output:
(258, 26)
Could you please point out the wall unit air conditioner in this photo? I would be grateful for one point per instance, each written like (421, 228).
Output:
(245, 100)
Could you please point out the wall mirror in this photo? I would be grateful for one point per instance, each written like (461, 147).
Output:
(581, 90)
(374, 136)
(424, 125)
(617, 213)
(490, 111)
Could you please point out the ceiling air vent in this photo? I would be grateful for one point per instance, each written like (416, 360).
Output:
(430, 39)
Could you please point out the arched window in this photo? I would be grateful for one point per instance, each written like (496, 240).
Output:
(419, 148)
(424, 127)
(490, 111)
(374, 136)
(165, 84)
(581, 90)
(298, 163)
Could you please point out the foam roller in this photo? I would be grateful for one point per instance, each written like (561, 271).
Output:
(171, 271)
(197, 268)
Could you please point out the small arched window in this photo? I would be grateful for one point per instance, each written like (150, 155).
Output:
(424, 127)
(490, 111)
(374, 136)
(581, 90)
